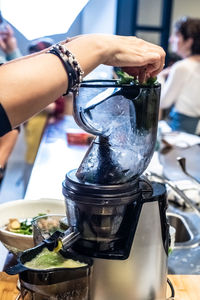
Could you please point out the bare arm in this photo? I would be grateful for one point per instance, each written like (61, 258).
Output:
(29, 84)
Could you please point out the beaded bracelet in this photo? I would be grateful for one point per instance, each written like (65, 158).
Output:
(72, 67)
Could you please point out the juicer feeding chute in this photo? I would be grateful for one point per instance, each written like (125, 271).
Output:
(124, 118)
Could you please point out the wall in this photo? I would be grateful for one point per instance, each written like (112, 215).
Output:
(149, 13)
(99, 16)
(186, 8)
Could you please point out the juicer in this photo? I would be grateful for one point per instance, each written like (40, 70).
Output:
(120, 216)
(116, 216)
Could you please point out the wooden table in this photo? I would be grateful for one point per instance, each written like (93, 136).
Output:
(8, 290)
(187, 287)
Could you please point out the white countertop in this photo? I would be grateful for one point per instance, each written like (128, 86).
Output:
(54, 159)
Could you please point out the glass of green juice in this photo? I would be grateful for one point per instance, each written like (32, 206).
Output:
(50, 275)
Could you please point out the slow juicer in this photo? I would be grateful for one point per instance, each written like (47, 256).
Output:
(120, 216)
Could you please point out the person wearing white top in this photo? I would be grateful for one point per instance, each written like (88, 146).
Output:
(181, 89)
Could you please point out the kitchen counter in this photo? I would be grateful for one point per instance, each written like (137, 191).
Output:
(187, 287)
(55, 158)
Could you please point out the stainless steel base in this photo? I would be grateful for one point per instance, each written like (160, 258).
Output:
(143, 276)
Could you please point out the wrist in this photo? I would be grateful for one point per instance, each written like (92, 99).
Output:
(109, 50)
(92, 44)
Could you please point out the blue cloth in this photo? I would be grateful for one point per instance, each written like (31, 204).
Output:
(5, 125)
(181, 122)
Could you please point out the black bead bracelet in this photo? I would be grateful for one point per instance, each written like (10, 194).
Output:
(72, 67)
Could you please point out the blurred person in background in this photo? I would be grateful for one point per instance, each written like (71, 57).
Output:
(172, 59)
(180, 82)
(35, 126)
(9, 47)
(8, 44)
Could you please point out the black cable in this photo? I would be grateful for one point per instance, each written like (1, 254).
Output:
(172, 289)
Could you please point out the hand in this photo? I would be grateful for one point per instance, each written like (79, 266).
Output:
(8, 42)
(136, 56)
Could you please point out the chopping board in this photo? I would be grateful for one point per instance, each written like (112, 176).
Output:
(187, 287)
(8, 290)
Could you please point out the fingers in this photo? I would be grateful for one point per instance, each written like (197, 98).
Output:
(156, 62)
(152, 57)
(149, 63)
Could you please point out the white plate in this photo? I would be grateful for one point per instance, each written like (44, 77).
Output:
(21, 209)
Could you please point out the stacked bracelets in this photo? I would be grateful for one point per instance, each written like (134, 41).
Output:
(72, 67)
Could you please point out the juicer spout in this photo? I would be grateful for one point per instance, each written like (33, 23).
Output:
(61, 240)
(71, 235)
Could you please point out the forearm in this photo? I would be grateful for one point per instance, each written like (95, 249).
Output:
(29, 85)
(38, 80)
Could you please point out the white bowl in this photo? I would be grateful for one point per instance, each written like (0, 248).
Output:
(21, 209)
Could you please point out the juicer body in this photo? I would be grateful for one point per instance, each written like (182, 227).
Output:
(131, 263)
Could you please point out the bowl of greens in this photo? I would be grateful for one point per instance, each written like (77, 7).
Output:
(16, 230)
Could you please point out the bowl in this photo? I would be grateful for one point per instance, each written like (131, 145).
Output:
(23, 209)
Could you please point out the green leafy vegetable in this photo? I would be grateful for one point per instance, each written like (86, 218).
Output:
(170, 251)
(151, 81)
(25, 226)
(125, 78)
